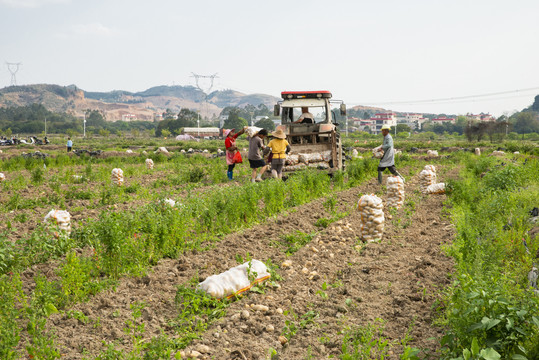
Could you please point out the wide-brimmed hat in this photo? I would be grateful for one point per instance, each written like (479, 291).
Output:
(228, 132)
(386, 127)
(279, 134)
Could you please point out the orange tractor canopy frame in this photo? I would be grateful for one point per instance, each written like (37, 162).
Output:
(325, 94)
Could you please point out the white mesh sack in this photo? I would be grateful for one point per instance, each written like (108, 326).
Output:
(2, 177)
(355, 153)
(438, 188)
(117, 177)
(395, 192)
(292, 160)
(252, 130)
(310, 158)
(163, 150)
(169, 202)
(432, 153)
(61, 218)
(149, 163)
(371, 210)
(426, 178)
(129, 151)
(377, 152)
(235, 280)
(477, 151)
(497, 153)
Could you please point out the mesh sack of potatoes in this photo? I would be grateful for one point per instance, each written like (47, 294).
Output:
(377, 152)
(2, 177)
(371, 210)
(477, 151)
(326, 155)
(433, 169)
(252, 130)
(60, 218)
(294, 167)
(149, 163)
(426, 178)
(319, 165)
(432, 153)
(117, 177)
(292, 160)
(310, 158)
(395, 192)
(497, 153)
(438, 188)
(235, 280)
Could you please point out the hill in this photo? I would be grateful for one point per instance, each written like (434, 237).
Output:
(116, 104)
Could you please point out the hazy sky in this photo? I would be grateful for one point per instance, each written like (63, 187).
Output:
(385, 52)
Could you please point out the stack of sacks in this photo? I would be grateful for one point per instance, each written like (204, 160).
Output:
(431, 168)
(251, 130)
(395, 192)
(310, 158)
(61, 218)
(477, 151)
(2, 177)
(292, 160)
(436, 188)
(432, 153)
(117, 177)
(294, 167)
(149, 163)
(426, 178)
(377, 152)
(371, 209)
(236, 280)
(497, 153)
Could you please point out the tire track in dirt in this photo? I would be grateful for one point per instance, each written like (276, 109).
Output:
(385, 280)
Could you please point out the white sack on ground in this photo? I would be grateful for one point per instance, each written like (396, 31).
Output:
(477, 151)
(163, 150)
(252, 130)
(355, 153)
(169, 202)
(61, 218)
(395, 192)
(426, 178)
(235, 280)
(149, 163)
(432, 153)
(2, 177)
(371, 209)
(497, 153)
(117, 177)
(436, 188)
(129, 151)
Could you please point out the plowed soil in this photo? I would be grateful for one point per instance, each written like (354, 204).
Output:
(397, 280)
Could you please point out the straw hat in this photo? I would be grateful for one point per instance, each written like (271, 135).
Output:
(279, 134)
(386, 127)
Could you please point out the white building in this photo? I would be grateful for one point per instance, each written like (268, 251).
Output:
(381, 119)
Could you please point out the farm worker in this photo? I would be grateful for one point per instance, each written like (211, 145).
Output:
(69, 144)
(279, 148)
(388, 160)
(231, 149)
(306, 117)
(256, 161)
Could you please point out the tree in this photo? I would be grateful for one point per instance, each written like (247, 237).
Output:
(186, 118)
(266, 123)
(95, 118)
(234, 121)
(165, 133)
(526, 122)
(168, 114)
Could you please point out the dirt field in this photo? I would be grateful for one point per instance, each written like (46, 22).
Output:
(395, 280)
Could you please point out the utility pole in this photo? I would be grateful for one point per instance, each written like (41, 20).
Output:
(45, 126)
(84, 125)
(198, 123)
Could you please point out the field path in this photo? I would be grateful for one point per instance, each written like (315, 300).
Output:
(396, 280)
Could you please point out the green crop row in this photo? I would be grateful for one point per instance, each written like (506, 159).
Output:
(490, 312)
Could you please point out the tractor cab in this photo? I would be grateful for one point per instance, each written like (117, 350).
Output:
(318, 131)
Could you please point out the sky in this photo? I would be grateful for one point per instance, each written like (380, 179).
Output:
(432, 56)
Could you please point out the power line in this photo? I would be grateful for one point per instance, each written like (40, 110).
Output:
(449, 100)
